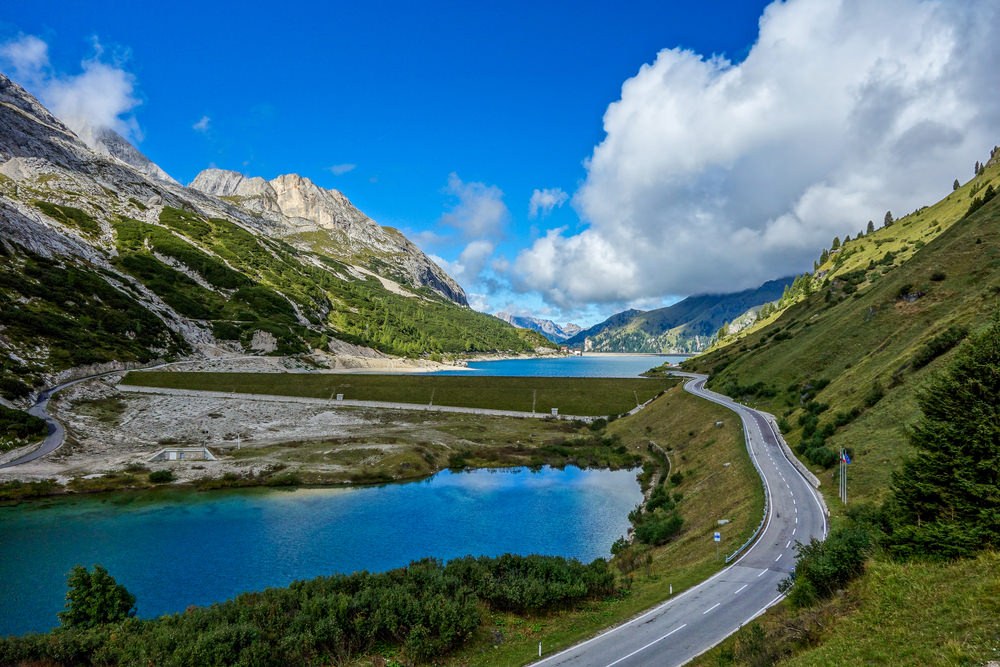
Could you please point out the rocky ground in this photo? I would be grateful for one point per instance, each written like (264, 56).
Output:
(111, 431)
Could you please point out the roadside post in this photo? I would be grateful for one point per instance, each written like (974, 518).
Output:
(717, 537)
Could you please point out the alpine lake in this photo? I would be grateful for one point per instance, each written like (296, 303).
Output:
(176, 548)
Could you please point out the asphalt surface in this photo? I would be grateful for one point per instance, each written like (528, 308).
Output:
(56, 433)
(694, 621)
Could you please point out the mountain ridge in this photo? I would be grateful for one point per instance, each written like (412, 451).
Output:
(106, 262)
(557, 333)
(687, 326)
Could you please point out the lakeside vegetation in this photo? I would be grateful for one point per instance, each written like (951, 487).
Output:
(418, 612)
(700, 458)
(571, 396)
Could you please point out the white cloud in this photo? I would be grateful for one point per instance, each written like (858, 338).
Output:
(543, 201)
(25, 58)
(714, 176)
(202, 125)
(101, 96)
(340, 169)
(479, 211)
(471, 262)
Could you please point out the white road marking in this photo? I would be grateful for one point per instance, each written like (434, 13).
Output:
(711, 608)
(793, 530)
(741, 588)
(796, 519)
(778, 558)
(789, 544)
(639, 650)
(762, 573)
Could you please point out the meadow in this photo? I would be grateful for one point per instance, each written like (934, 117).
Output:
(570, 396)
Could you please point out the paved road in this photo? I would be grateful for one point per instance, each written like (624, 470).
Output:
(698, 619)
(56, 433)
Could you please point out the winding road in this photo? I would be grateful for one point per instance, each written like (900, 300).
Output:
(694, 621)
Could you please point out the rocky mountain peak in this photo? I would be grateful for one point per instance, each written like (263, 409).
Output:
(109, 142)
(298, 206)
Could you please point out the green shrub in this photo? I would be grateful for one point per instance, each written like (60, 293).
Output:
(161, 476)
(821, 568)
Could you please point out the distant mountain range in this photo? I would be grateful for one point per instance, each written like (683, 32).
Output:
(555, 332)
(106, 258)
(687, 326)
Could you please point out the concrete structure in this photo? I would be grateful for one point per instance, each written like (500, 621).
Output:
(183, 454)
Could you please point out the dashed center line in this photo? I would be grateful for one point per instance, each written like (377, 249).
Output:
(762, 573)
(779, 557)
(742, 587)
(789, 544)
(711, 608)
(640, 650)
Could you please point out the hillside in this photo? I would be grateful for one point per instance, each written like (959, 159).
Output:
(843, 361)
(689, 325)
(104, 258)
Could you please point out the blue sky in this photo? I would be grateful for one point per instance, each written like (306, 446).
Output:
(442, 119)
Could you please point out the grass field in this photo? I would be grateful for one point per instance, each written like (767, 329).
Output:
(897, 614)
(571, 396)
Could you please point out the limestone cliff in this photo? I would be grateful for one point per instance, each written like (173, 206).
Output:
(325, 221)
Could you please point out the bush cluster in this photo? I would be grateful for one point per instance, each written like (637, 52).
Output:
(425, 610)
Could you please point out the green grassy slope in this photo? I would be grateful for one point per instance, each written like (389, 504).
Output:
(845, 343)
(59, 313)
(841, 364)
(914, 614)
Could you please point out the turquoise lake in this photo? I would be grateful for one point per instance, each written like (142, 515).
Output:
(173, 550)
(588, 365)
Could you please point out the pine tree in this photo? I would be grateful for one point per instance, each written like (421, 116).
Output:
(956, 185)
(978, 168)
(871, 226)
(95, 598)
(836, 243)
(888, 219)
(946, 500)
(847, 238)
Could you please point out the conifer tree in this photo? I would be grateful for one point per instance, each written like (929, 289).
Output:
(95, 598)
(946, 500)
(888, 219)
(871, 226)
(836, 243)
(956, 185)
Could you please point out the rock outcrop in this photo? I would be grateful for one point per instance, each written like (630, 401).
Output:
(297, 206)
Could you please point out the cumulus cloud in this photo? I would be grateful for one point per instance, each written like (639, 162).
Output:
(543, 201)
(471, 262)
(100, 97)
(479, 211)
(715, 176)
(202, 125)
(340, 169)
(25, 58)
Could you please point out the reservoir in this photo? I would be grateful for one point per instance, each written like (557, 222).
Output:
(175, 549)
(588, 365)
